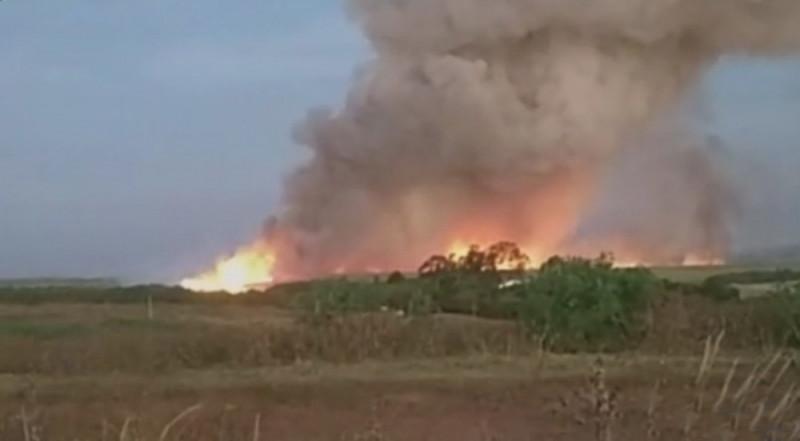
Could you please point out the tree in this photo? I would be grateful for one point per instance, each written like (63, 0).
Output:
(502, 256)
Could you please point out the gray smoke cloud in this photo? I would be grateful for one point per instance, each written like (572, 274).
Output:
(499, 120)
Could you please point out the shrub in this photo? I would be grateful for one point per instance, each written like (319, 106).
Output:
(470, 284)
(779, 316)
(719, 290)
(755, 277)
(343, 296)
(396, 277)
(721, 287)
(578, 304)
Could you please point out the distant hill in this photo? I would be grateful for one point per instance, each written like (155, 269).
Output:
(53, 282)
(777, 256)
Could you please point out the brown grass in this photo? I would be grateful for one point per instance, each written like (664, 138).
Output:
(80, 339)
(198, 373)
(450, 399)
(100, 339)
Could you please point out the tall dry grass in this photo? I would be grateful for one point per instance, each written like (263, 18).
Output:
(722, 401)
(159, 348)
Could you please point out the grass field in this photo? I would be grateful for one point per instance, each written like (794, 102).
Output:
(97, 283)
(245, 370)
(697, 274)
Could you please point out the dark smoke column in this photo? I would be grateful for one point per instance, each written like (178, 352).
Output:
(493, 120)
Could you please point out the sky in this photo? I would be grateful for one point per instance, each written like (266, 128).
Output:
(141, 139)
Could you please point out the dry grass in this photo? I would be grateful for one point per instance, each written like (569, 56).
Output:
(81, 339)
(706, 398)
(100, 339)
(697, 274)
(95, 373)
(759, 408)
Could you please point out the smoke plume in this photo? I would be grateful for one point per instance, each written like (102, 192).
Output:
(498, 120)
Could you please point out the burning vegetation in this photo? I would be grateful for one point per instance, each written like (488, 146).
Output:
(247, 269)
(474, 124)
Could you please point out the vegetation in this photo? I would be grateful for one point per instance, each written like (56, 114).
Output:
(118, 295)
(577, 303)
(779, 315)
(334, 297)
(580, 304)
(570, 304)
(728, 286)
(501, 257)
(59, 283)
(472, 339)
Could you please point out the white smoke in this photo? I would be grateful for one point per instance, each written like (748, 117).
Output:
(496, 119)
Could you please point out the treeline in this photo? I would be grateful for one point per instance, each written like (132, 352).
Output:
(122, 295)
(570, 303)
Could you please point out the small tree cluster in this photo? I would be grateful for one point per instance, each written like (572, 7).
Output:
(580, 304)
(502, 256)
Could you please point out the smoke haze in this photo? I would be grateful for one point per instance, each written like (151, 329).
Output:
(559, 125)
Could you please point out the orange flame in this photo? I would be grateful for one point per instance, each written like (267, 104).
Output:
(254, 267)
(459, 249)
(246, 269)
(698, 260)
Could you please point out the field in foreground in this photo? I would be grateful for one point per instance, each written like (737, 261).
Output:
(107, 372)
(450, 358)
(481, 398)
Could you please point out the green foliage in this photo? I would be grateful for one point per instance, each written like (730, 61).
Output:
(755, 277)
(121, 295)
(470, 284)
(396, 277)
(578, 304)
(721, 287)
(476, 294)
(719, 290)
(779, 315)
(342, 296)
(345, 297)
(575, 303)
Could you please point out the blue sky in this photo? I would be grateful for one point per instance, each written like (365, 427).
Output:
(140, 138)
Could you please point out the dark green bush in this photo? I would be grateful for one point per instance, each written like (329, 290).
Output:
(721, 287)
(779, 316)
(470, 284)
(581, 304)
(396, 277)
(755, 277)
(719, 290)
(343, 296)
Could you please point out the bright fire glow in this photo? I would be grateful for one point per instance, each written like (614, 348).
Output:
(459, 249)
(693, 260)
(247, 269)
(253, 267)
